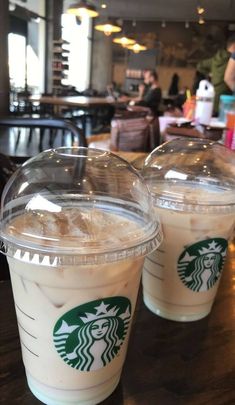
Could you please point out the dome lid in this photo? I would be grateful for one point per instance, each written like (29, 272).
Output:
(192, 174)
(77, 205)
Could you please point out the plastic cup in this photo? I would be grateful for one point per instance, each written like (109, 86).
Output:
(192, 182)
(75, 228)
(230, 130)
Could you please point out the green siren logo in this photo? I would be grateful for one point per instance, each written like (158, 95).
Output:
(201, 264)
(89, 336)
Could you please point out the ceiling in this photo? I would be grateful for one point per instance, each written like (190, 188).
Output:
(168, 10)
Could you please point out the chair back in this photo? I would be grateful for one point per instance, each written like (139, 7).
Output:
(135, 134)
(43, 124)
(50, 123)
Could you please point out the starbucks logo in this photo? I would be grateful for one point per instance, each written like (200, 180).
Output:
(89, 336)
(201, 264)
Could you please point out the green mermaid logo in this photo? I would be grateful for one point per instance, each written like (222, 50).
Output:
(89, 336)
(201, 264)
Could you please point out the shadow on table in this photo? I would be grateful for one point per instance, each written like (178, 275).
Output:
(116, 398)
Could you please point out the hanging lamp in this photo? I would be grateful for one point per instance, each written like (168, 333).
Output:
(108, 28)
(136, 48)
(201, 20)
(200, 9)
(83, 8)
(124, 41)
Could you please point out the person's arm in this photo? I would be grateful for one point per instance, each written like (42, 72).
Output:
(229, 76)
(204, 66)
(142, 90)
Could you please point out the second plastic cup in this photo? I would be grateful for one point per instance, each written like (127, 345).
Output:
(192, 182)
(75, 228)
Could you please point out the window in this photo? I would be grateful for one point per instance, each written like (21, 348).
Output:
(17, 60)
(77, 33)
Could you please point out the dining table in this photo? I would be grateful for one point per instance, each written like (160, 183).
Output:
(168, 362)
(83, 102)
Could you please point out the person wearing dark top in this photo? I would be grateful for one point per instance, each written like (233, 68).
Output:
(174, 86)
(152, 97)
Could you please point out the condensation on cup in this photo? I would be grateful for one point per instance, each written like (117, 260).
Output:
(75, 227)
(193, 186)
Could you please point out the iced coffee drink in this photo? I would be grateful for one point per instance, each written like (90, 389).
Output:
(197, 212)
(75, 262)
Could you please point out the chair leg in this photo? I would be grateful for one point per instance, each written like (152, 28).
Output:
(18, 138)
(30, 136)
(41, 136)
(72, 139)
(53, 133)
(63, 137)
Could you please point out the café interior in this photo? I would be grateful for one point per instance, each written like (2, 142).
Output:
(89, 64)
(127, 77)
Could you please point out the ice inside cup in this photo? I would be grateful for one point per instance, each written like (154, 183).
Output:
(75, 227)
(193, 186)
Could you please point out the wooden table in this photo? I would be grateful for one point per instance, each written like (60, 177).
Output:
(168, 363)
(74, 101)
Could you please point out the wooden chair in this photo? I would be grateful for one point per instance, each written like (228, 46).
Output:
(135, 134)
(130, 133)
(51, 125)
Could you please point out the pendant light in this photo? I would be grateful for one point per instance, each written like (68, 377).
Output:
(83, 8)
(108, 28)
(201, 20)
(136, 48)
(200, 9)
(124, 41)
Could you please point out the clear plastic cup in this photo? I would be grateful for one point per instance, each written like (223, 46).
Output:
(193, 185)
(75, 227)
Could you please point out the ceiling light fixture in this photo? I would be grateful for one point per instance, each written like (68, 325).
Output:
(124, 41)
(82, 9)
(200, 9)
(103, 5)
(108, 28)
(201, 20)
(136, 48)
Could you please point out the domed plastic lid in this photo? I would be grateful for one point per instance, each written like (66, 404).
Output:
(192, 175)
(77, 205)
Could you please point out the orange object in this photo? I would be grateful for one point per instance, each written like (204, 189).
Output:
(230, 131)
(230, 120)
(189, 108)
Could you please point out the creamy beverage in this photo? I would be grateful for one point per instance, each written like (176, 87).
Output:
(75, 227)
(180, 279)
(57, 307)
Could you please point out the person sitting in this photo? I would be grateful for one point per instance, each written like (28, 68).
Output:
(113, 91)
(174, 85)
(152, 97)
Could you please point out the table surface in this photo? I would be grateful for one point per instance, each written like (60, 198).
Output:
(75, 101)
(168, 363)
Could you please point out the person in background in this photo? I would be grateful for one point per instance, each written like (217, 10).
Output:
(174, 86)
(215, 67)
(229, 76)
(152, 96)
(112, 90)
(197, 78)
